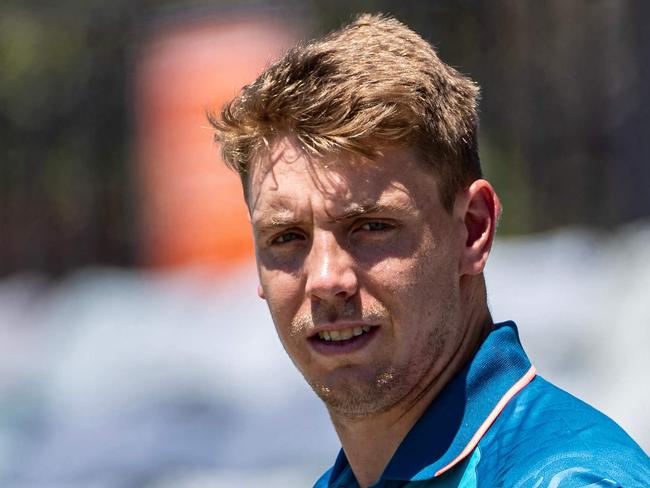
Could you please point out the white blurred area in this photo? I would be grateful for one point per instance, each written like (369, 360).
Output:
(115, 378)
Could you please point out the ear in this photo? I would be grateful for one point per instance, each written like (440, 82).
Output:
(481, 209)
(260, 292)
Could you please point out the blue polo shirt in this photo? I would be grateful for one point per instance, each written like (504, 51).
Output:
(498, 424)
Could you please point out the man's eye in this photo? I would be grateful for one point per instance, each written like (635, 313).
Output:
(287, 237)
(375, 226)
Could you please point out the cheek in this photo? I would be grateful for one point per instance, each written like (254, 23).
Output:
(404, 275)
(416, 288)
(396, 278)
(284, 295)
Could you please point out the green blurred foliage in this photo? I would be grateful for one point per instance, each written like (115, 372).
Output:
(65, 179)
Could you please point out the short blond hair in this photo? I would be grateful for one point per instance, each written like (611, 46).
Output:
(372, 84)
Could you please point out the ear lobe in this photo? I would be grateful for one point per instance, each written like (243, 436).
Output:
(481, 215)
(260, 292)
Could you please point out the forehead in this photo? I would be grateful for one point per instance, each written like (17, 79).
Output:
(285, 178)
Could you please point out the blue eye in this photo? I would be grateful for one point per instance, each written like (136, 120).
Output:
(286, 237)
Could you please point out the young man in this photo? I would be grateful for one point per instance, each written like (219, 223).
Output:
(372, 226)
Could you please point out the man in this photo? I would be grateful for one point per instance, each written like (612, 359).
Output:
(372, 226)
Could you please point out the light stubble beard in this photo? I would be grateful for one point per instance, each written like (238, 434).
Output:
(386, 385)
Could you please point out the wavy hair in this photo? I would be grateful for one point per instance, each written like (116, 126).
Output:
(369, 85)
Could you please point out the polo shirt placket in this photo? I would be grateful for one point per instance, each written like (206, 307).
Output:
(446, 445)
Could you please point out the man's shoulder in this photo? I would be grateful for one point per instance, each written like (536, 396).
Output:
(323, 481)
(547, 434)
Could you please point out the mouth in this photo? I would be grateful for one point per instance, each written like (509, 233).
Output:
(343, 340)
(343, 334)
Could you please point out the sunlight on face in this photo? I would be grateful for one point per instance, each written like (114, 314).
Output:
(358, 263)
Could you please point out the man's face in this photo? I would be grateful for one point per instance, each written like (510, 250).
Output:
(359, 264)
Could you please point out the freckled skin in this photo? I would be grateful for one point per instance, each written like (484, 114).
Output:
(395, 267)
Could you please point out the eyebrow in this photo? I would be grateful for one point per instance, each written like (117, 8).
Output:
(357, 210)
(285, 218)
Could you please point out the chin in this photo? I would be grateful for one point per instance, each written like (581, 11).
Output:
(358, 398)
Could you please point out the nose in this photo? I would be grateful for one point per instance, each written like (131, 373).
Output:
(330, 270)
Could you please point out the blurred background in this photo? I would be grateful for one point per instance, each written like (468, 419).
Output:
(133, 349)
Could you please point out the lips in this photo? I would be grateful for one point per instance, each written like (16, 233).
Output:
(343, 340)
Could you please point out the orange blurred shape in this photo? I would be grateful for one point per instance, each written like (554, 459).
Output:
(191, 207)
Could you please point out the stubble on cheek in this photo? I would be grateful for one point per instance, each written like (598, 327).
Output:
(300, 324)
(385, 378)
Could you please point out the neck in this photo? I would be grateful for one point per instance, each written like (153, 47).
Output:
(370, 442)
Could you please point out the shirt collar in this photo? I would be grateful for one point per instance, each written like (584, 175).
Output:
(455, 421)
